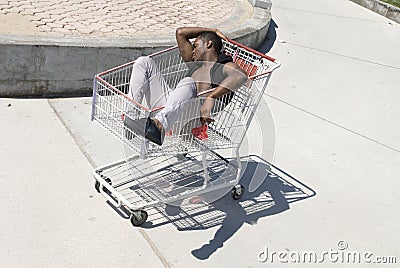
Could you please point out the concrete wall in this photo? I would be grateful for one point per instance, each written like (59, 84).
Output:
(45, 66)
(58, 70)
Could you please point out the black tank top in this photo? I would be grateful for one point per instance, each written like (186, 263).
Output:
(216, 73)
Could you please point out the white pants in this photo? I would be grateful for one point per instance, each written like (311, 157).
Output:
(147, 82)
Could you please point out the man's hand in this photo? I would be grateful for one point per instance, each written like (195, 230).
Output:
(220, 34)
(205, 111)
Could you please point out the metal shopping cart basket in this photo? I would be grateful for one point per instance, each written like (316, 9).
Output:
(186, 165)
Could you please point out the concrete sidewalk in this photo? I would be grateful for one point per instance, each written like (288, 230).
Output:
(334, 105)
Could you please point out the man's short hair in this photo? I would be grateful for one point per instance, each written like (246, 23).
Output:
(215, 39)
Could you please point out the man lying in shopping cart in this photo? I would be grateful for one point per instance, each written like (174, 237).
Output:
(209, 68)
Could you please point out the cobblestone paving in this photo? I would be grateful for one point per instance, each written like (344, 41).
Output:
(118, 18)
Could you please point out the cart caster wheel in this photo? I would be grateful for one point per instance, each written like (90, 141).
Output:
(110, 183)
(97, 185)
(138, 217)
(237, 192)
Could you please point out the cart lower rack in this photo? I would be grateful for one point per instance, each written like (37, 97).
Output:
(185, 165)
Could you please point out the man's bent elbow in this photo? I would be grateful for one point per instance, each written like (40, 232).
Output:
(179, 31)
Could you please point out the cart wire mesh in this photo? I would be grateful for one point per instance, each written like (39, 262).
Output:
(184, 166)
(144, 183)
(111, 103)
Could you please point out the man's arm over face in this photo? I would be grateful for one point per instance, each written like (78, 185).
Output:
(183, 35)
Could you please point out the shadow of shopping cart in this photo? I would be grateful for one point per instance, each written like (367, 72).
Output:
(269, 191)
(273, 191)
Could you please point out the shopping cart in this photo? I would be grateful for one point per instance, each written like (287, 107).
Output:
(192, 160)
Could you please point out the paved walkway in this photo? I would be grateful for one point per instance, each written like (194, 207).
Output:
(116, 18)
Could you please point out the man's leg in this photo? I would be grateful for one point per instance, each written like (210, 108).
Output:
(147, 81)
(177, 102)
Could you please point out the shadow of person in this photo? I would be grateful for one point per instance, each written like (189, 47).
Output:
(270, 39)
(262, 205)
